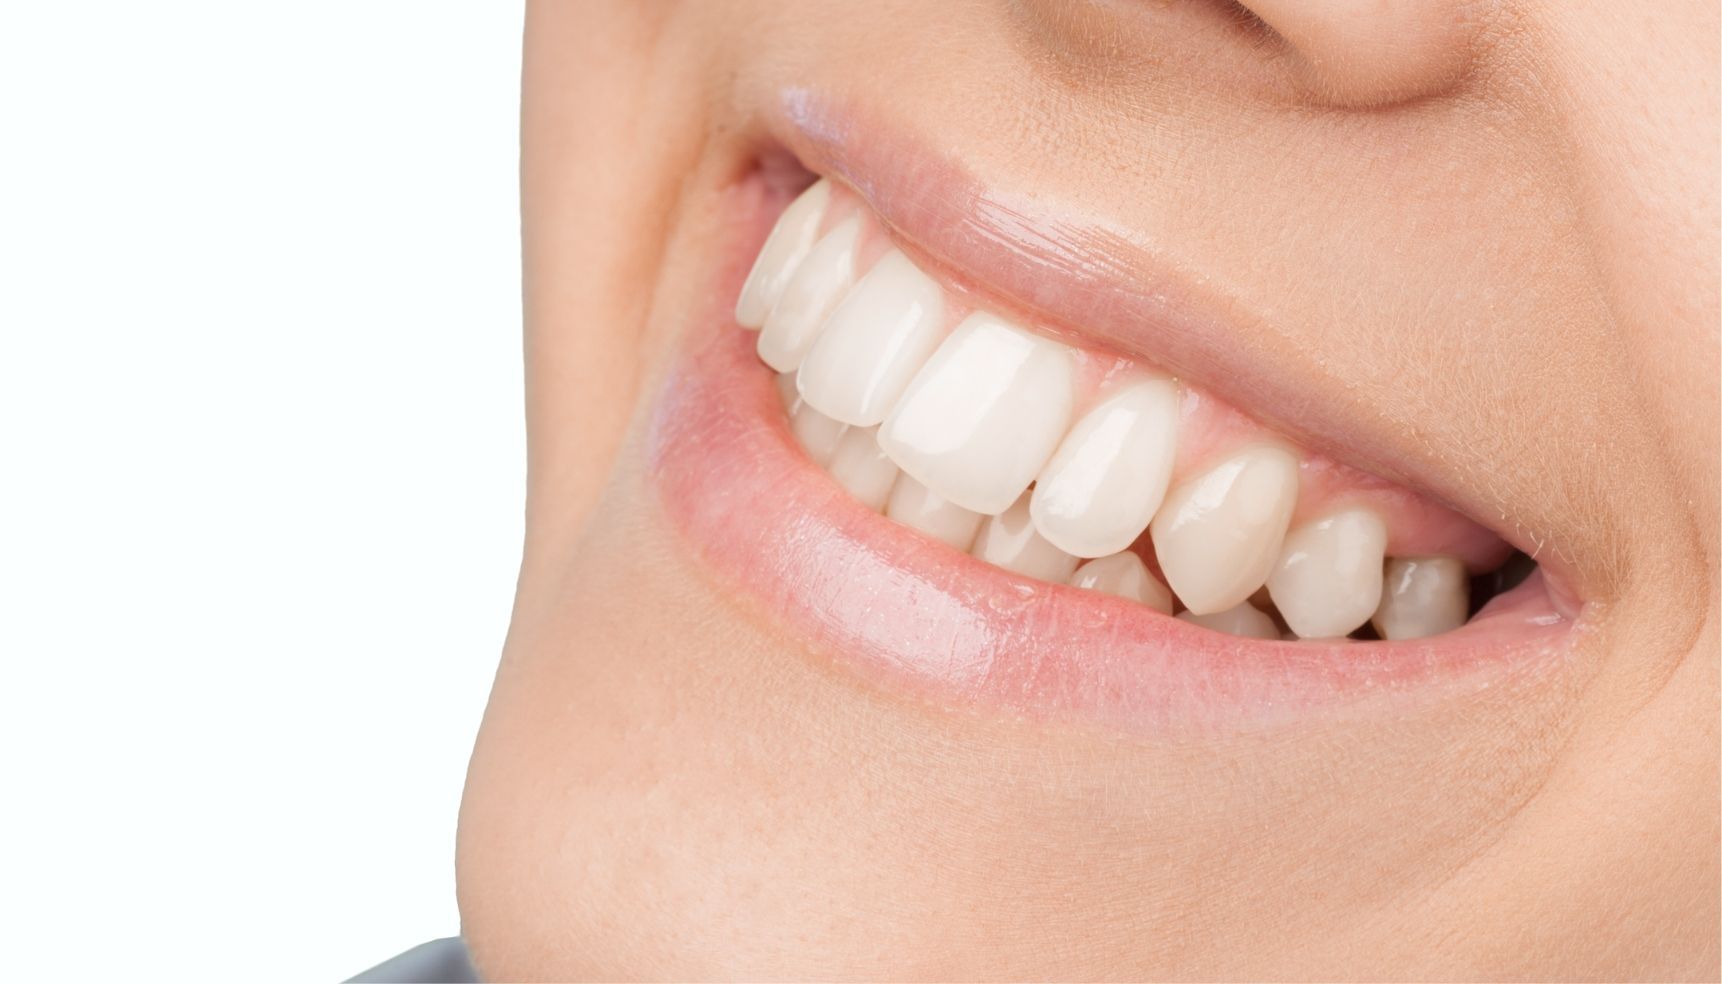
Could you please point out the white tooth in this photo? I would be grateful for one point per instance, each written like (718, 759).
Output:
(1328, 578)
(1109, 475)
(786, 390)
(1124, 575)
(873, 343)
(860, 466)
(1009, 540)
(984, 414)
(815, 432)
(1239, 620)
(818, 284)
(913, 505)
(1423, 596)
(789, 241)
(1218, 534)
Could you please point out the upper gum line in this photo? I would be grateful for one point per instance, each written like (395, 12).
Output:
(1082, 445)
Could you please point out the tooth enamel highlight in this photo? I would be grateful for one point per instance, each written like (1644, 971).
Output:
(1423, 596)
(915, 506)
(1218, 534)
(815, 432)
(873, 343)
(1109, 475)
(819, 282)
(788, 242)
(1124, 575)
(1009, 540)
(1240, 620)
(1328, 578)
(860, 466)
(984, 414)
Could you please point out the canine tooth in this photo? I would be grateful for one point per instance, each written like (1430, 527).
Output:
(819, 282)
(1124, 575)
(1423, 596)
(984, 414)
(789, 241)
(1109, 475)
(1009, 540)
(860, 466)
(916, 506)
(1218, 533)
(815, 432)
(1242, 619)
(874, 341)
(1328, 577)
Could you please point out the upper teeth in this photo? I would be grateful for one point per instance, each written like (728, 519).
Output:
(983, 421)
(873, 343)
(983, 414)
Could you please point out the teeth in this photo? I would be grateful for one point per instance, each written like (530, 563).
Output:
(915, 506)
(786, 392)
(860, 466)
(873, 343)
(1124, 575)
(1240, 620)
(1109, 475)
(1423, 596)
(789, 241)
(1009, 540)
(1328, 579)
(1218, 534)
(818, 284)
(815, 432)
(984, 414)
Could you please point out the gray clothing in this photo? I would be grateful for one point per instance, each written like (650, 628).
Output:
(437, 962)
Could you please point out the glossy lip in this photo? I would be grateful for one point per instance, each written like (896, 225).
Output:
(913, 616)
(1085, 276)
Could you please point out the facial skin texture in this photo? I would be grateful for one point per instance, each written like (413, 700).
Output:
(1483, 234)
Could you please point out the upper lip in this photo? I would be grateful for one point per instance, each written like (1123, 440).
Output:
(900, 607)
(1089, 278)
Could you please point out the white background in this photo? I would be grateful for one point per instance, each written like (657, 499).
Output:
(261, 469)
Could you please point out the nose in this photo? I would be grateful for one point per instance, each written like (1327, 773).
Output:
(1359, 53)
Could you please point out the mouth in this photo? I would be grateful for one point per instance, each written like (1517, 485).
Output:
(998, 471)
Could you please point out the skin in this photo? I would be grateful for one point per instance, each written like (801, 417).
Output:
(1518, 199)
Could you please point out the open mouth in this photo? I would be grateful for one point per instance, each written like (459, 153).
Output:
(948, 490)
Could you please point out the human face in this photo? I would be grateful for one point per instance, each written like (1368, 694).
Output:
(1352, 287)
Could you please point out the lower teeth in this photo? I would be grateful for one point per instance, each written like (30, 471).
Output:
(852, 457)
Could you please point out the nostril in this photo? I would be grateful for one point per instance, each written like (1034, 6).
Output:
(1361, 53)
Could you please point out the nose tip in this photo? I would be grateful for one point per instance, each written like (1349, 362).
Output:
(1360, 53)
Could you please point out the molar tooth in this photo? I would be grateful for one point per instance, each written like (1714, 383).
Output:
(984, 414)
(819, 282)
(1009, 540)
(916, 506)
(1242, 619)
(1423, 596)
(1218, 534)
(815, 432)
(1102, 486)
(860, 466)
(1124, 575)
(788, 242)
(873, 342)
(1328, 578)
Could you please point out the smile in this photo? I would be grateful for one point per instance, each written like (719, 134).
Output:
(962, 497)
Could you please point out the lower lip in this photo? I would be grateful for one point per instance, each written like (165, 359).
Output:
(905, 613)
